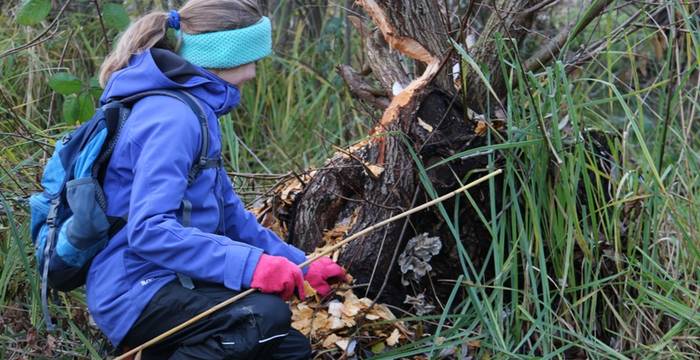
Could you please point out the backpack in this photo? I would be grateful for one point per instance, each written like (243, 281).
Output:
(69, 225)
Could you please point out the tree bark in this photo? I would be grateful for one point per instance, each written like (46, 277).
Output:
(377, 177)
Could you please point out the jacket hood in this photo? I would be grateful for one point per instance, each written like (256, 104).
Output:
(157, 69)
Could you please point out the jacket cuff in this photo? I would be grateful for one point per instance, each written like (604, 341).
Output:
(297, 256)
(240, 266)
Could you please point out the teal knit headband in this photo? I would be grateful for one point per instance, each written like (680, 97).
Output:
(228, 48)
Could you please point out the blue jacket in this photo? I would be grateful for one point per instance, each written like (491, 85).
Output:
(146, 181)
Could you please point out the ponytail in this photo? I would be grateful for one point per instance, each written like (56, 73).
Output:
(147, 32)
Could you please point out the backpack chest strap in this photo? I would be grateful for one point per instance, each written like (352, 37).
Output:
(202, 164)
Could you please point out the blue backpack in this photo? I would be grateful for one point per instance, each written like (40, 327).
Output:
(68, 221)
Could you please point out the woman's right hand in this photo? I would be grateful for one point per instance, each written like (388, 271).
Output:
(277, 275)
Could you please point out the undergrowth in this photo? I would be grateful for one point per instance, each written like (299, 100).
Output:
(594, 256)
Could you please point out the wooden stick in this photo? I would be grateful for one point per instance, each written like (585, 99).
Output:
(325, 252)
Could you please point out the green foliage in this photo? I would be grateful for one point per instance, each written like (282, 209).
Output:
(31, 12)
(65, 83)
(77, 108)
(115, 16)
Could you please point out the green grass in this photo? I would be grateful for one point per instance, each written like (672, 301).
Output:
(588, 260)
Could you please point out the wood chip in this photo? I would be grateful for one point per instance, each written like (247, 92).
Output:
(375, 170)
(425, 125)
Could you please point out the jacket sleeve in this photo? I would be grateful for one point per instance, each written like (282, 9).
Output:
(241, 225)
(162, 149)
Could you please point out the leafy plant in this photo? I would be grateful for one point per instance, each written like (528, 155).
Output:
(32, 12)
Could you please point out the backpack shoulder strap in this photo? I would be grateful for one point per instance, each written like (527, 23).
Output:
(203, 162)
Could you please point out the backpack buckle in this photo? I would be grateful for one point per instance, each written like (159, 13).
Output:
(53, 213)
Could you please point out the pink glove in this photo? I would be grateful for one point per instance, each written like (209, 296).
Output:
(277, 275)
(321, 272)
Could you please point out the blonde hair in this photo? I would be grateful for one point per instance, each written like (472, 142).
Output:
(196, 17)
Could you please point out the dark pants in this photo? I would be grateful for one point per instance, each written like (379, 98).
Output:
(255, 327)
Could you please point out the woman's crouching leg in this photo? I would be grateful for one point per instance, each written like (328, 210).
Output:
(256, 327)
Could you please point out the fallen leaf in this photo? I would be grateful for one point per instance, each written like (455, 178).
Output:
(372, 317)
(481, 128)
(383, 312)
(440, 340)
(349, 322)
(330, 340)
(393, 339)
(320, 322)
(335, 308)
(309, 290)
(378, 347)
(336, 323)
(343, 344)
(303, 326)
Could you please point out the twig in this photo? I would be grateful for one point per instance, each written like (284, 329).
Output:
(60, 64)
(38, 39)
(566, 34)
(361, 89)
(14, 180)
(348, 28)
(25, 137)
(102, 25)
(260, 176)
(591, 50)
(394, 255)
(137, 350)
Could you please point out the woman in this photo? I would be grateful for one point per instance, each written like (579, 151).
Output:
(188, 245)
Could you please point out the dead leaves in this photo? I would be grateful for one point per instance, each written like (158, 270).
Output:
(334, 324)
(482, 126)
(393, 339)
(282, 197)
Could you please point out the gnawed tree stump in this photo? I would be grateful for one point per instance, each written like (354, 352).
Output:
(378, 177)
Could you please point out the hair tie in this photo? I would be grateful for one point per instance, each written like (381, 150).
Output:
(174, 19)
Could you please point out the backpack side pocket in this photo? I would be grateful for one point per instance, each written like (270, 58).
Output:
(87, 231)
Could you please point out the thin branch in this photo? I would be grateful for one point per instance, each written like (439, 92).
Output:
(102, 25)
(361, 89)
(39, 38)
(60, 64)
(565, 35)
